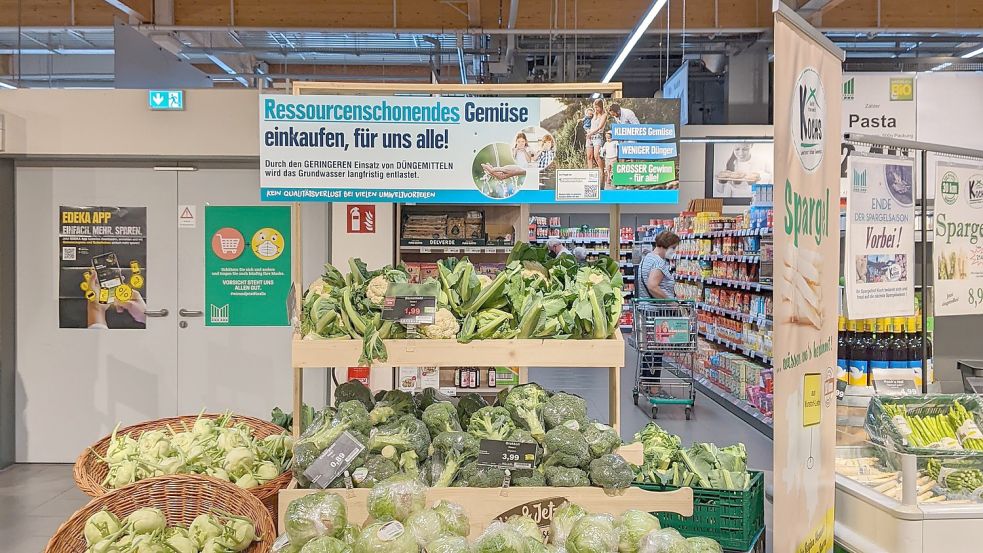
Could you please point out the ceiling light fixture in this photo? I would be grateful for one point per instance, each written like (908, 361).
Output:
(7, 85)
(175, 168)
(972, 54)
(633, 39)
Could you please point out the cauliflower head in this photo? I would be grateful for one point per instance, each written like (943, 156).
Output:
(318, 286)
(444, 326)
(376, 290)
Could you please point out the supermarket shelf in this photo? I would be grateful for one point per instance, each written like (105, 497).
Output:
(739, 407)
(759, 320)
(755, 258)
(457, 249)
(723, 233)
(738, 284)
(737, 348)
(481, 390)
(582, 240)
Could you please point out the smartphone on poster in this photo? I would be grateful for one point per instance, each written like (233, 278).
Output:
(107, 270)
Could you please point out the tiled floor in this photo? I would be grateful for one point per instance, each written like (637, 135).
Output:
(34, 501)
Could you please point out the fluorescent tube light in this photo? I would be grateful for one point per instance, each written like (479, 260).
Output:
(941, 66)
(633, 39)
(175, 168)
(972, 54)
(7, 85)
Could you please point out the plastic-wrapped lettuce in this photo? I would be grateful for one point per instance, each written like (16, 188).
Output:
(666, 540)
(385, 537)
(593, 533)
(564, 517)
(396, 498)
(632, 526)
(453, 519)
(425, 526)
(501, 538)
(449, 544)
(526, 526)
(325, 544)
(350, 534)
(315, 515)
(701, 544)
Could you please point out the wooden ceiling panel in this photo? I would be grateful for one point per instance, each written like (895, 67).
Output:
(853, 13)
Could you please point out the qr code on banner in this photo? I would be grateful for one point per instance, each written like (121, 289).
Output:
(68, 253)
(592, 191)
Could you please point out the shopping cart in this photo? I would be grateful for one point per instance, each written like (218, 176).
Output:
(228, 245)
(665, 338)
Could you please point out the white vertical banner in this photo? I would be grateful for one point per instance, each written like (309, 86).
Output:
(880, 237)
(958, 246)
(808, 77)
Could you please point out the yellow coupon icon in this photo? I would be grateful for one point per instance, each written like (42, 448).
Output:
(103, 295)
(134, 267)
(123, 293)
(84, 285)
(136, 281)
(90, 295)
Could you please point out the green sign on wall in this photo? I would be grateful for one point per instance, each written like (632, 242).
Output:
(247, 265)
(643, 173)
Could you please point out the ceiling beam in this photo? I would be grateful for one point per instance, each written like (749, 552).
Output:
(813, 10)
(135, 16)
(474, 13)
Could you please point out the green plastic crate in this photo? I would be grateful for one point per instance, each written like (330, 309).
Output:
(733, 518)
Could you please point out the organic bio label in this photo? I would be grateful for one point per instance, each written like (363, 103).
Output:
(969, 431)
(808, 117)
(902, 425)
(390, 531)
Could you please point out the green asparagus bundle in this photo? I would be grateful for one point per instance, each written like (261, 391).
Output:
(956, 480)
(966, 429)
(924, 431)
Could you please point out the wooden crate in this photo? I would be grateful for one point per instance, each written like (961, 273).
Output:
(484, 505)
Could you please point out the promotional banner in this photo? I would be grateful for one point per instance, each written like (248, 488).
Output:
(807, 140)
(880, 237)
(958, 246)
(247, 265)
(467, 150)
(102, 269)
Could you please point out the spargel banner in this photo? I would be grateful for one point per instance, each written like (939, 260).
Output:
(958, 246)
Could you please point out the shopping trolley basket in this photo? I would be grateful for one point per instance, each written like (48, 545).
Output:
(228, 245)
(665, 339)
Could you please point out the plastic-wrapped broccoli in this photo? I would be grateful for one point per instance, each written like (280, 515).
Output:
(473, 476)
(350, 416)
(521, 435)
(453, 519)
(467, 405)
(563, 477)
(449, 544)
(701, 544)
(394, 404)
(491, 423)
(325, 544)
(564, 517)
(405, 434)
(632, 526)
(396, 498)
(375, 469)
(665, 540)
(528, 478)
(593, 533)
(314, 515)
(526, 526)
(563, 407)
(611, 472)
(428, 397)
(535, 546)
(500, 538)
(385, 537)
(425, 526)
(441, 417)
(450, 452)
(354, 389)
(525, 403)
(565, 447)
(601, 439)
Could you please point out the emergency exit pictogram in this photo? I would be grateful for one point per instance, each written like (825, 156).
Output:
(361, 219)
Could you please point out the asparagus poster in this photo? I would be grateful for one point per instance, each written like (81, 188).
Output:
(880, 241)
(958, 246)
(102, 280)
(807, 166)
(247, 265)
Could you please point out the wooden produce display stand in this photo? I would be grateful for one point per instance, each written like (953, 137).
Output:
(484, 505)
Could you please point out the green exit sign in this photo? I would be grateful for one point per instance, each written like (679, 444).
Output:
(165, 100)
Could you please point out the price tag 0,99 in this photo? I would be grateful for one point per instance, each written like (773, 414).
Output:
(508, 455)
(334, 461)
(410, 310)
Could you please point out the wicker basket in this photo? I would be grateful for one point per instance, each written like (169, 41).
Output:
(181, 498)
(89, 471)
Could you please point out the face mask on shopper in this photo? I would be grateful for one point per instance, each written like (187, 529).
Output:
(670, 253)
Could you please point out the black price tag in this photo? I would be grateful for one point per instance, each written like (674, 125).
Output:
(410, 310)
(334, 461)
(840, 390)
(508, 455)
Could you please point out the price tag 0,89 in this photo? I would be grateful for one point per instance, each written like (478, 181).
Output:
(508, 455)
(334, 461)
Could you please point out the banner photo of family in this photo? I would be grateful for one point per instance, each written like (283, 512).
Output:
(469, 150)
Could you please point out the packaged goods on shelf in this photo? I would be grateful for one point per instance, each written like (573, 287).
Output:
(762, 193)
(419, 271)
(425, 225)
(490, 269)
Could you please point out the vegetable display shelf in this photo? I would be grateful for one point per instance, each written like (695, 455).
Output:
(483, 505)
(737, 348)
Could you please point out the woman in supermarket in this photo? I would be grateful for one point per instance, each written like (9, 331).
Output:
(654, 270)
(595, 136)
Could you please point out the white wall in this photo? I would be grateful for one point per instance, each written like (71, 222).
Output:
(950, 109)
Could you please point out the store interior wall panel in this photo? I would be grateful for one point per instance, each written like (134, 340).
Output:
(8, 319)
(949, 110)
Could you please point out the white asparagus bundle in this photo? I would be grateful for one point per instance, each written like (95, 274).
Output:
(801, 274)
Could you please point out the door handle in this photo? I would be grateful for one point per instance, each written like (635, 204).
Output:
(190, 313)
(158, 313)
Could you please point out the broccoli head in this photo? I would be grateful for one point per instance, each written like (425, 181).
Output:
(491, 423)
(528, 478)
(441, 417)
(563, 407)
(566, 447)
(473, 476)
(396, 498)
(406, 433)
(611, 472)
(395, 403)
(375, 469)
(428, 397)
(521, 435)
(601, 439)
(563, 477)
(354, 389)
(467, 405)
(451, 451)
(525, 403)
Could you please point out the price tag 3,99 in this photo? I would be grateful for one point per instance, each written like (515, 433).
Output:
(508, 455)
(334, 461)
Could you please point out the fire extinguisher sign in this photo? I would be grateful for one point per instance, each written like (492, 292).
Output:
(361, 219)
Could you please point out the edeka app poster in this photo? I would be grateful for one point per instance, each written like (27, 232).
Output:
(247, 265)
(102, 261)
(807, 131)
(880, 237)
(958, 246)
(468, 150)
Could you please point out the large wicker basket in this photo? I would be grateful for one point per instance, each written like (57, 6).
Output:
(90, 472)
(180, 497)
